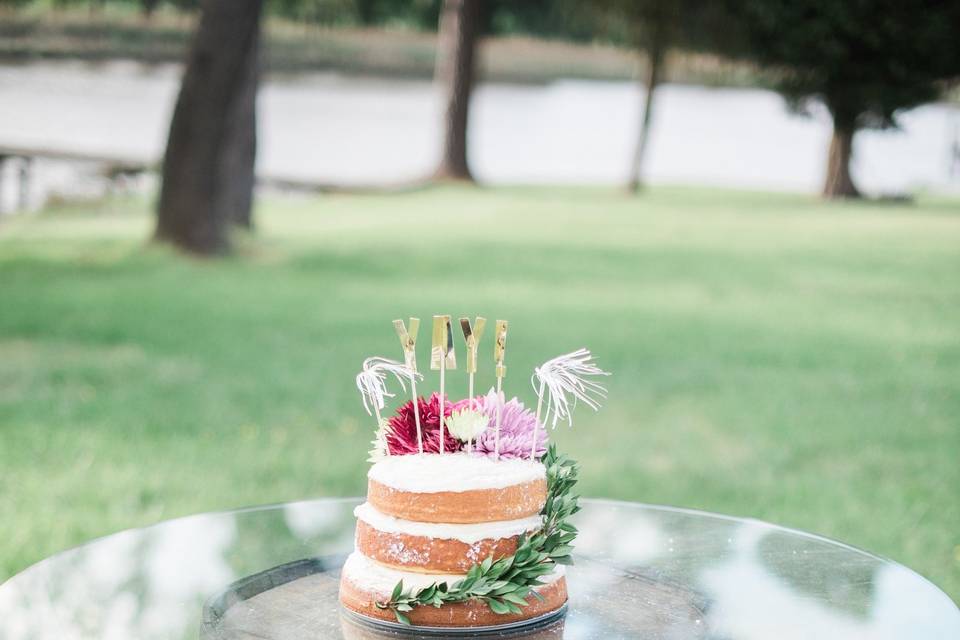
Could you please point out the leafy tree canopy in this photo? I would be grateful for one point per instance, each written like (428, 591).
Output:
(866, 59)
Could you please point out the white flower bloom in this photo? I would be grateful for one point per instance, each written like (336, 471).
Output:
(379, 451)
(467, 424)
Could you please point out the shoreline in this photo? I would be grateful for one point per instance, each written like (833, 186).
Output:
(377, 52)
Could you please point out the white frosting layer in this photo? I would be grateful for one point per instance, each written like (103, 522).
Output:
(457, 472)
(467, 533)
(370, 576)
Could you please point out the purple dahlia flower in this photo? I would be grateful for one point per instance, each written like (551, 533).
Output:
(516, 427)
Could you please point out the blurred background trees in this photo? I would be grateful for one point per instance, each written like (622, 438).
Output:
(456, 54)
(866, 61)
(208, 168)
(654, 28)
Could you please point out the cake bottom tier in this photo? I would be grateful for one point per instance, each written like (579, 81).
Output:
(364, 582)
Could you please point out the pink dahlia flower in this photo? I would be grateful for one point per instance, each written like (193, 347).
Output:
(402, 428)
(516, 427)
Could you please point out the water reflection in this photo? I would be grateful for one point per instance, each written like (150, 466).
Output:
(641, 572)
(347, 130)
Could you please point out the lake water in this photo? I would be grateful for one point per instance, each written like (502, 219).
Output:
(349, 130)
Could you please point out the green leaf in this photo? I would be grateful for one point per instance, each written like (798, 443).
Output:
(402, 619)
(485, 565)
(498, 607)
(512, 607)
(512, 597)
(397, 590)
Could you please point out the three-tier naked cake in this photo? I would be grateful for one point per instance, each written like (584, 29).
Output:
(466, 518)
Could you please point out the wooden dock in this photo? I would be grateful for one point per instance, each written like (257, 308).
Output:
(116, 167)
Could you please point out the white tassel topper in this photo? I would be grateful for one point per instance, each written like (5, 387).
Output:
(371, 382)
(564, 381)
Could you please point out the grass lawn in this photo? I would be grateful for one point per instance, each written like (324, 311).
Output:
(774, 357)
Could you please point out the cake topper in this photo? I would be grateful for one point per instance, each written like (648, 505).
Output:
(476, 424)
(408, 342)
(471, 336)
(371, 382)
(563, 376)
(442, 356)
(499, 351)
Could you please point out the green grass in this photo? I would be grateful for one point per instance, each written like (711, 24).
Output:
(774, 356)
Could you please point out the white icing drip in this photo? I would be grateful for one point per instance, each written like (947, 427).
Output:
(456, 472)
(367, 575)
(467, 533)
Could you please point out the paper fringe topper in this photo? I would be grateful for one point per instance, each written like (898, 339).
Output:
(564, 380)
(371, 381)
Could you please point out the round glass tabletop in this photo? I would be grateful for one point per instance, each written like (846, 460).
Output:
(641, 571)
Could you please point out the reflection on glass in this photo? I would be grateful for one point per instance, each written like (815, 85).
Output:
(788, 585)
(641, 572)
(131, 585)
(354, 630)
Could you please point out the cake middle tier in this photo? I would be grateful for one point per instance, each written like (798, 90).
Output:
(436, 548)
(457, 488)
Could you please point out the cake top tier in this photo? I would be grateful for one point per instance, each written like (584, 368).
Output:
(429, 473)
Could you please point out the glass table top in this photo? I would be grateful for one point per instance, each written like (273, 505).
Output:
(641, 571)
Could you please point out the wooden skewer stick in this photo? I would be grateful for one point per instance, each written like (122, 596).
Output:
(442, 357)
(536, 424)
(472, 337)
(499, 351)
(443, 404)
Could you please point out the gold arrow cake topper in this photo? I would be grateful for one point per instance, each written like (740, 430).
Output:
(472, 337)
(408, 342)
(442, 357)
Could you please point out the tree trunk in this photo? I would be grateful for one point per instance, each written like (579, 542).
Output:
(366, 12)
(147, 8)
(839, 183)
(456, 47)
(240, 156)
(655, 57)
(209, 163)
